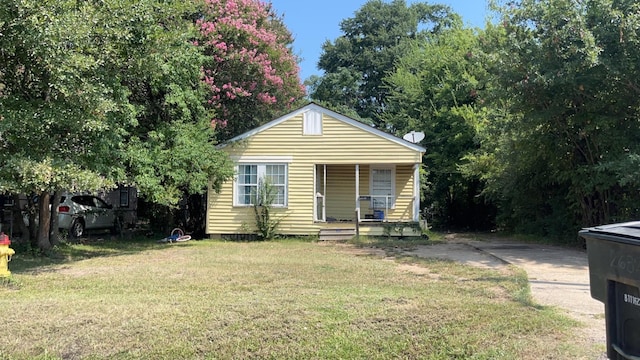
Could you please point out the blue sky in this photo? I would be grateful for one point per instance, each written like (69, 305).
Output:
(313, 22)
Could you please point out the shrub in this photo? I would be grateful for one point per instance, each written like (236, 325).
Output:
(266, 224)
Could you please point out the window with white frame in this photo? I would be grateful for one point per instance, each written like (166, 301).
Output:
(276, 177)
(383, 187)
(247, 184)
(312, 123)
(251, 176)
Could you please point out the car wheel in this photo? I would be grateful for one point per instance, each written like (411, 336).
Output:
(77, 229)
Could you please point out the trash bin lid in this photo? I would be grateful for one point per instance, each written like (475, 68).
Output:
(628, 232)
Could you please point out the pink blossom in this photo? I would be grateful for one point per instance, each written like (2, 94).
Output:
(222, 46)
(267, 98)
(218, 123)
(249, 59)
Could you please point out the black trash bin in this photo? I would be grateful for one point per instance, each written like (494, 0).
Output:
(613, 252)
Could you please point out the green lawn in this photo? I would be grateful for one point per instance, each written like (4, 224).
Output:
(279, 300)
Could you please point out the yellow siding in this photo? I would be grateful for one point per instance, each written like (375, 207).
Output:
(342, 145)
(341, 192)
(404, 193)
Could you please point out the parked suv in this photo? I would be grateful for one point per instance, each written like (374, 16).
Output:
(78, 213)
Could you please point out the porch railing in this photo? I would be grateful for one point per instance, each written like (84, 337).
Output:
(379, 204)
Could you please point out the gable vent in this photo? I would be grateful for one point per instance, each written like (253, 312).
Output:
(312, 123)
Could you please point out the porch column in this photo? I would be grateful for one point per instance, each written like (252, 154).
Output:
(416, 192)
(357, 192)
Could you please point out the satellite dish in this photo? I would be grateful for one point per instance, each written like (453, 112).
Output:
(414, 137)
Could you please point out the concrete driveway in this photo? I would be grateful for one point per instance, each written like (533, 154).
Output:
(558, 276)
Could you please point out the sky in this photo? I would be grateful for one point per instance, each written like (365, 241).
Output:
(314, 22)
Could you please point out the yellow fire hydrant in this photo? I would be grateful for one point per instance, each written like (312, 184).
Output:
(5, 255)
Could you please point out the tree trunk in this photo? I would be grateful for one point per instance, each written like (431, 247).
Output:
(55, 234)
(44, 225)
(32, 211)
(18, 220)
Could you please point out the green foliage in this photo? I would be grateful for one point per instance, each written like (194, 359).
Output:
(435, 89)
(266, 223)
(372, 41)
(558, 150)
(57, 100)
(95, 93)
(405, 68)
(171, 150)
(397, 228)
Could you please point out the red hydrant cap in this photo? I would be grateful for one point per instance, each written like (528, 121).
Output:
(4, 239)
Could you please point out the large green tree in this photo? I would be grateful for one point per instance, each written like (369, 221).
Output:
(435, 89)
(170, 147)
(356, 63)
(56, 101)
(94, 93)
(564, 153)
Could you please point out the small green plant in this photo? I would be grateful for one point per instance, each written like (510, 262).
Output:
(398, 228)
(245, 227)
(266, 224)
(9, 283)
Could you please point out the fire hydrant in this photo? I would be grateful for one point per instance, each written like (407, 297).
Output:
(5, 255)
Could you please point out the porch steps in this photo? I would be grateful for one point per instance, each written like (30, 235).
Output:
(337, 234)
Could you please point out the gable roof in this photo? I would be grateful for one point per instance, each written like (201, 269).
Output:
(315, 107)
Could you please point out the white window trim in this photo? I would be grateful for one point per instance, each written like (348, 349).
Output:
(393, 183)
(261, 168)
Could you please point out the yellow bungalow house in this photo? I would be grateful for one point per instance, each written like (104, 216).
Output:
(332, 174)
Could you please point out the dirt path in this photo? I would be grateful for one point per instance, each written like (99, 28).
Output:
(558, 276)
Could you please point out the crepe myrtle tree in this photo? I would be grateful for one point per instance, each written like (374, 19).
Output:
(251, 70)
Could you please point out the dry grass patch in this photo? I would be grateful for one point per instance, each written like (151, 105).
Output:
(289, 299)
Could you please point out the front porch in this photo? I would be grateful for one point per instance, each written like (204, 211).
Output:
(366, 199)
(361, 193)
